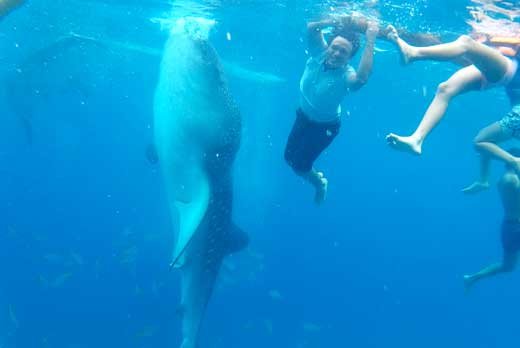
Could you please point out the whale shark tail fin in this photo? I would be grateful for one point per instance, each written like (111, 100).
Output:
(237, 240)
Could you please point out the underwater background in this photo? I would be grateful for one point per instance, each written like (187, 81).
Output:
(85, 236)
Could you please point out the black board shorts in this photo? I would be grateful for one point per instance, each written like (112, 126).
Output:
(307, 141)
(511, 236)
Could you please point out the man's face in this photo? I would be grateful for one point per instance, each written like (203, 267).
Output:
(338, 53)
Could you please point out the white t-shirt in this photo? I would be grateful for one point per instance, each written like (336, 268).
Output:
(322, 90)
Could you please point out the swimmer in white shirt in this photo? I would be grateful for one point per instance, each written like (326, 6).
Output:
(327, 79)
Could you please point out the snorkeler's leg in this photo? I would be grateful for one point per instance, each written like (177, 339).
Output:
(464, 80)
(493, 65)
(488, 60)
(508, 264)
(486, 144)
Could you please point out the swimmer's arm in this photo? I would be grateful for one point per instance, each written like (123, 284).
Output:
(7, 6)
(360, 77)
(317, 43)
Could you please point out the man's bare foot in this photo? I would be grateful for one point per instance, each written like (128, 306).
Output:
(321, 189)
(469, 281)
(407, 144)
(476, 187)
(407, 51)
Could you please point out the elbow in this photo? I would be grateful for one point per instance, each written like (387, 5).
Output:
(358, 84)
(313, 27)
(362, 80)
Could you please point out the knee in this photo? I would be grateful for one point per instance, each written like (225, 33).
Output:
(445, 90)
(477, 141)
(466, 42)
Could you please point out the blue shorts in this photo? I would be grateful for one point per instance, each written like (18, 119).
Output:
(510, 124)
(308, 139)
(511, 236)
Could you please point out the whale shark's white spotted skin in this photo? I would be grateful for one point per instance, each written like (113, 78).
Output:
(197, 129)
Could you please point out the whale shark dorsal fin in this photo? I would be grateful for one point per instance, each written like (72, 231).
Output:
(191, 197)
(237, 239)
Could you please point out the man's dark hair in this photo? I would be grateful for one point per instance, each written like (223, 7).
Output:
(354, 40)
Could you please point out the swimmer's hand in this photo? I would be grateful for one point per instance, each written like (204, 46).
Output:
(372, 30)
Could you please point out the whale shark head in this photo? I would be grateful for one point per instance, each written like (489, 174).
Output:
(197, 66)
(195, 27)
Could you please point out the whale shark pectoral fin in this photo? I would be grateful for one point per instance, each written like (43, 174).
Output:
(191, 200)
(237, 239)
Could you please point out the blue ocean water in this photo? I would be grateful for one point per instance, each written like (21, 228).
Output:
(86, 239)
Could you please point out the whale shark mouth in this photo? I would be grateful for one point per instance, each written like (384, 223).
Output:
(195, 27)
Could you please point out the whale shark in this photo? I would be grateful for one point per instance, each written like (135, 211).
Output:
(40, 75)
(197, 133)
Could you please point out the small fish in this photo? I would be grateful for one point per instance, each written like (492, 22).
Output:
(77, 258)
(129, 255)
(248, 325)
(227, 280)
(256, 255)
(269, 326)
(52, 258)
(43, 281)
(61, 279)
(127, 232)
(311, 327)
(11, 232)
(275, 295)
(13, 318)
(155, 289)
(229, 266)
(97, 267)
(147, 331)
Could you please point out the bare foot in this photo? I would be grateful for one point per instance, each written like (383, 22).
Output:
(392, 34)
(469, 281)
(476, 187)
(407, 144)
(407, 51)
(321, 189)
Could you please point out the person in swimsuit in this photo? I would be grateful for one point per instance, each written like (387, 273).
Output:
(509, 189)
(326, 80)
(490, 68)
